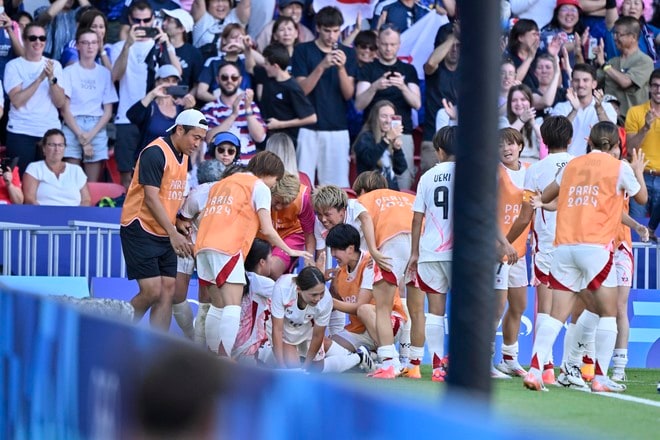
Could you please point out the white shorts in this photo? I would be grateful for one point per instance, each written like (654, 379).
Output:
(513, 276)
(357, 339)
(434, 276)
(623, 263)
(398, 249)
(185, 265)
(217, 268)
(327, 152)
(304, 346)
(580, 266)
(542, 261)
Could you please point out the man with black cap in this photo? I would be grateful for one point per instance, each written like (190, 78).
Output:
(151, 236)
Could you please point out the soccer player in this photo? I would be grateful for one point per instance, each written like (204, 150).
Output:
(430, 256)
(557, 132)
(511, 279)
(352, 291)
(237, 207)
(301, 307)
(590, 191)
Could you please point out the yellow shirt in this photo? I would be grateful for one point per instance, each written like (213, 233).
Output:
(635, 120)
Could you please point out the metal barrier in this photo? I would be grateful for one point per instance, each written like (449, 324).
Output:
(646, 253)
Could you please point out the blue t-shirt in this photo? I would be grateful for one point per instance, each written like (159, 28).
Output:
(401, 16)
(326, 97)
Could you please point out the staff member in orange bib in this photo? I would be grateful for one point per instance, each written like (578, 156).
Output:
(149, 231)
(590, 191)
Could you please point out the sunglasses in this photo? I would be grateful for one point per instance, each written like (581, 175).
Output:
(34, 38)
(364, 46)
(230, 151)
(142, 20)
(227, 77)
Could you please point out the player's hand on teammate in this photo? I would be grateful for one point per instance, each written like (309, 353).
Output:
(382, 261)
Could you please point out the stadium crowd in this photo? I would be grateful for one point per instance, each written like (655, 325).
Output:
(247, 116)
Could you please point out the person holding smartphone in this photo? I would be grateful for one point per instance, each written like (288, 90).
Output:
(11, 192)
(157, 111)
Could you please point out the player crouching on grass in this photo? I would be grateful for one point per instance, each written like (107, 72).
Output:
(300, 308)
(590, 191)
(429, 266)
(352, 291)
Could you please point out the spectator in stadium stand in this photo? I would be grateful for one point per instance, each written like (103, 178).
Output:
(549, 74)
(52, 181)
(11, 192)
(95, 20)
(11, 45)
(177, 24)
(540, 11)
(648, 36)
(365, 47)
(627, 76)
(285, 106)
(643, 130)
(211, 16)
(287, 8)
(441, 78)
(135, 62)
(156, 112)
(389, 78)
(584, 107)
(90, 95)
(401, 14)
(59, 20)
(235, 111)
(523, 45)
(282, 145)
(31, 82)
(378, 146)
(151, 234)
(326, 71)
(566, 23)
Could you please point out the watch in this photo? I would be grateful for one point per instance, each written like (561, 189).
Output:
(53, 81)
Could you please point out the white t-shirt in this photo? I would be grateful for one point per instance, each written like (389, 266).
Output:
(353, 211)
(133, 85)
(585, 118)
(62, 191)
(538, 177)
(39, 114)
(207, 27)
(194, 205)
(435, 199)
(88, 89)
(298, 324)
(255, 307)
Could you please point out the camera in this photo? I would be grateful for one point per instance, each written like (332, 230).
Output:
(7, 163)
(177, 91)
(149, 32)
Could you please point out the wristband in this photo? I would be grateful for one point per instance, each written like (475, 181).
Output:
(606, 67)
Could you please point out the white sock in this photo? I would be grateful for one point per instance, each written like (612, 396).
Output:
(338, 364)
(540, 317)
(200, 324)
(416, 354)
(510, 352)
(585, 338)
(620, 359)
(229, 325)
(212, 328)
(569, 341)
(545, 339)
(435, 336)
(387, 355)
(183, 316)
(605, 342)
(336, 350)
(337, 322)
(404, 339)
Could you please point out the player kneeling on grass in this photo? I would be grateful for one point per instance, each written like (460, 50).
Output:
(590, 191)
(429, 266)
(352, 291)
(300, 308)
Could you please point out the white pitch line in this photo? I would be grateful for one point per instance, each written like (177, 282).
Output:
(630, 399)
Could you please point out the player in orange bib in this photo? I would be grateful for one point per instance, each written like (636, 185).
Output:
(590, 191)
(150, 233)
(237, 207)
(391, 213)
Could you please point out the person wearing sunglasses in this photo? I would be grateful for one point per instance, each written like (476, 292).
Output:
(31, 82)
(225, 148)
(234, 110)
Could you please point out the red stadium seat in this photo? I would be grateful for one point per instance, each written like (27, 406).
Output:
(98, 190)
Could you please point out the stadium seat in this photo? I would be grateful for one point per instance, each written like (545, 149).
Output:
(98, 190)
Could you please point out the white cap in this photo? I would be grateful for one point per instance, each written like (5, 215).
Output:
(167, 70)
(184, 18)
(191, 118)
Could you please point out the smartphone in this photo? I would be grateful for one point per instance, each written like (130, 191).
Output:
(389, 75)
(177, 91)
(149, 32)
(8, 163)
(396, 121)
(593, 43)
